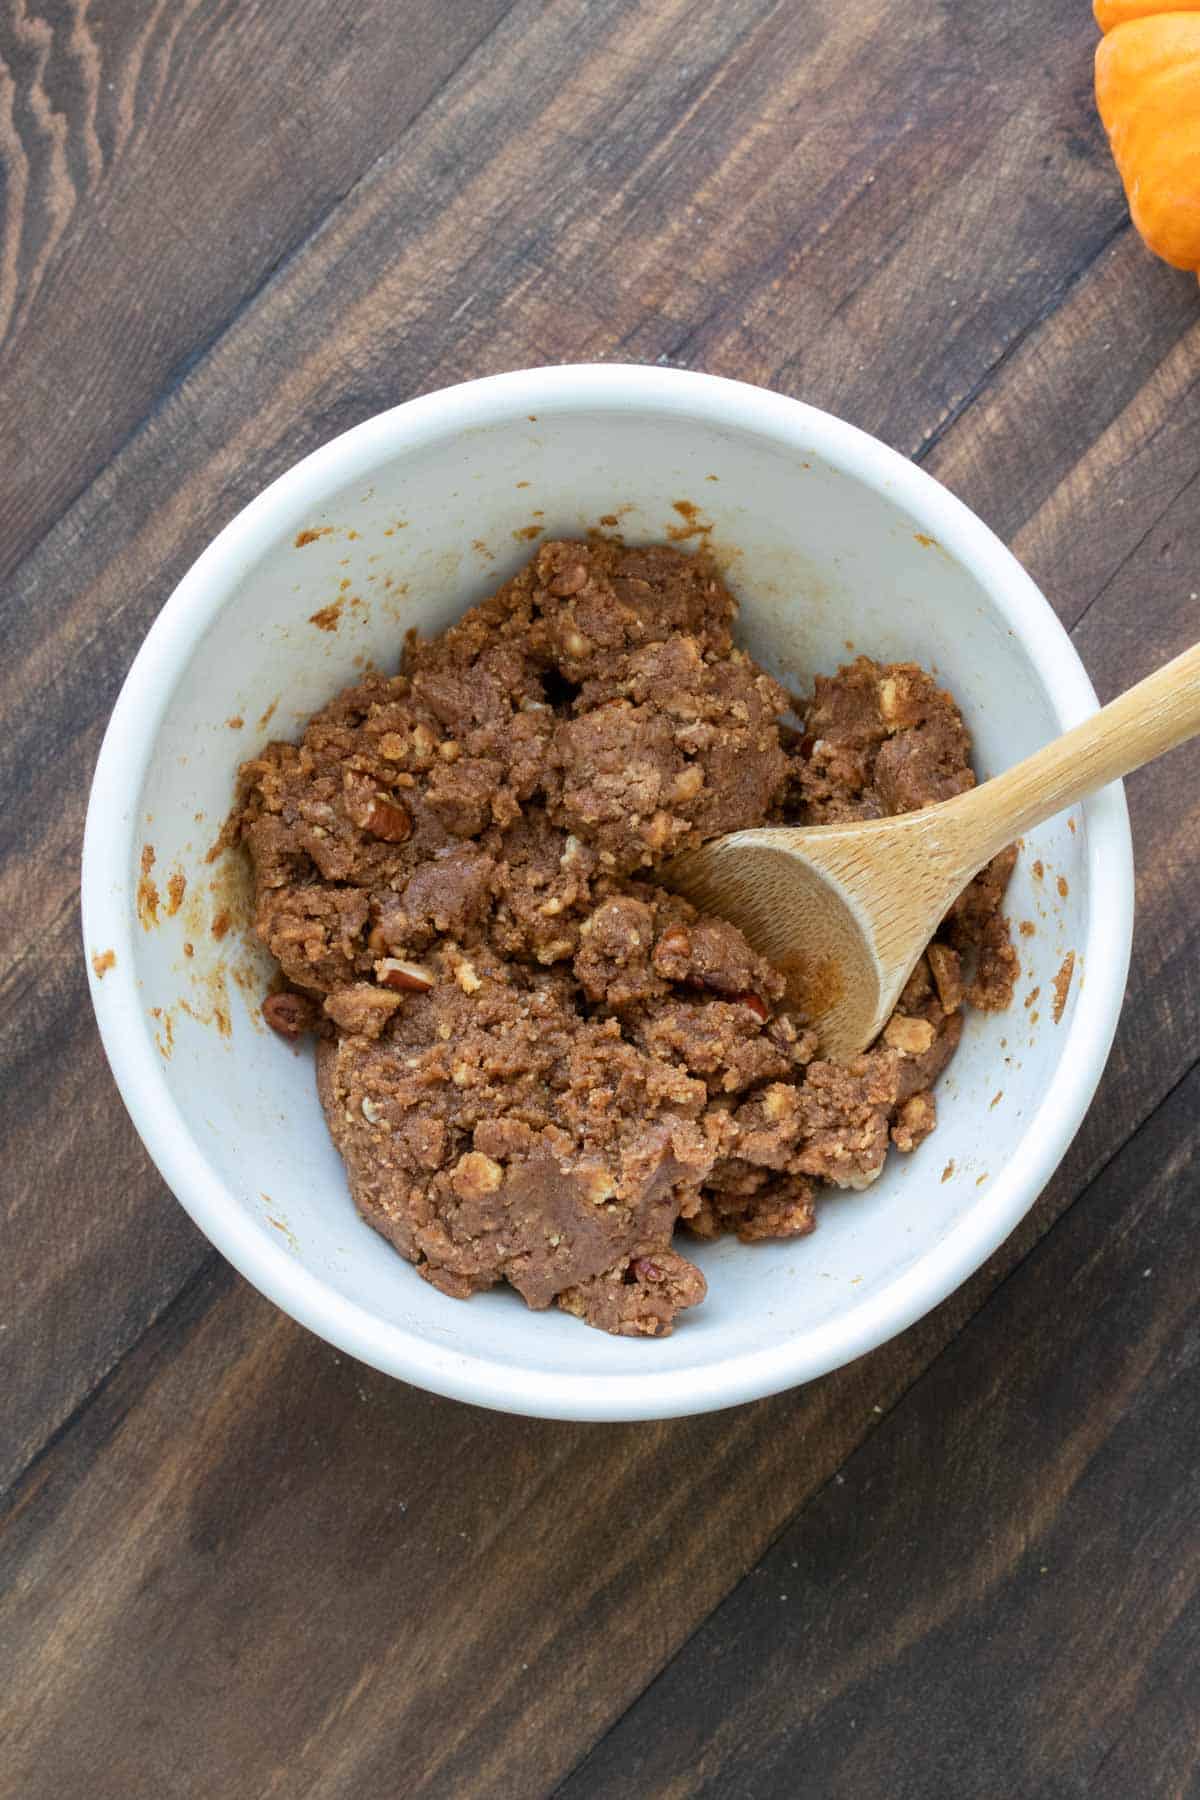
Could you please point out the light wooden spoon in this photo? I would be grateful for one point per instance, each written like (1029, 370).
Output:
(844, 911)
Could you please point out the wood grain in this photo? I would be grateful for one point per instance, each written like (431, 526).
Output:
(1079, 379)
(237, 1563)
(243, 1514)
(451, 1601)
(162, 160)
(1027, 1623)
(645, 1547)
(545, 205)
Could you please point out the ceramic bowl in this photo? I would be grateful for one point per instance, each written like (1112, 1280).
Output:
(833, 544)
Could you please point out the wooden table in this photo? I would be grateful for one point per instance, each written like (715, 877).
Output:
(237, 1564)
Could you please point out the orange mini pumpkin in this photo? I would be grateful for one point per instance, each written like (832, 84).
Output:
(1148, 92)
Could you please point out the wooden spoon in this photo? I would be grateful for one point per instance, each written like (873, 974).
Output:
(844, 911)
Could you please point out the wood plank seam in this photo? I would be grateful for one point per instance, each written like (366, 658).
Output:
(13, 1496)
(26, 954)
(1112, 1750)
(1151, 528)
(142, 1523)
(1037, 341)
(158, 1315)
(188, 363)
(86, 1400)
(926, 1374)
(1015, 344)
(674, 354)
(951, 1586)
(199, 353)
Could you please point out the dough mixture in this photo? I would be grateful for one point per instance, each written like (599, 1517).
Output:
(536, 1063)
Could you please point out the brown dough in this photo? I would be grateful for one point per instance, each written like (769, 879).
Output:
(535, 1062)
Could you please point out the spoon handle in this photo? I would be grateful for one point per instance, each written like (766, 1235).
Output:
(1153, 717)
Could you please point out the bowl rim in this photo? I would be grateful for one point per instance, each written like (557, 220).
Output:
(108, 885)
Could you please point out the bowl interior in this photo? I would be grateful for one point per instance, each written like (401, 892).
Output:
(824, 566)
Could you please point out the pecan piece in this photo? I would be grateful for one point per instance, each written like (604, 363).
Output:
(386, 819)
(291, 1015)
(405, 977)
(372, 809)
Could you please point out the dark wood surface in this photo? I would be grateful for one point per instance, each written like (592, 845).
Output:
(232, 1561)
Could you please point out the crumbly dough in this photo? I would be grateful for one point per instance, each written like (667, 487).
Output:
(535, 1062)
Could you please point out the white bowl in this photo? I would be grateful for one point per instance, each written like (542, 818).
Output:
(831, 540)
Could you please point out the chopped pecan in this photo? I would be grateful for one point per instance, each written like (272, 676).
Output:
(386, 819)
(375, 811)
(291, 1015)
(406, 977)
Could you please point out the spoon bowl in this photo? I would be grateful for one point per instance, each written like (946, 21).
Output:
(818, 904)
(845, 911)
